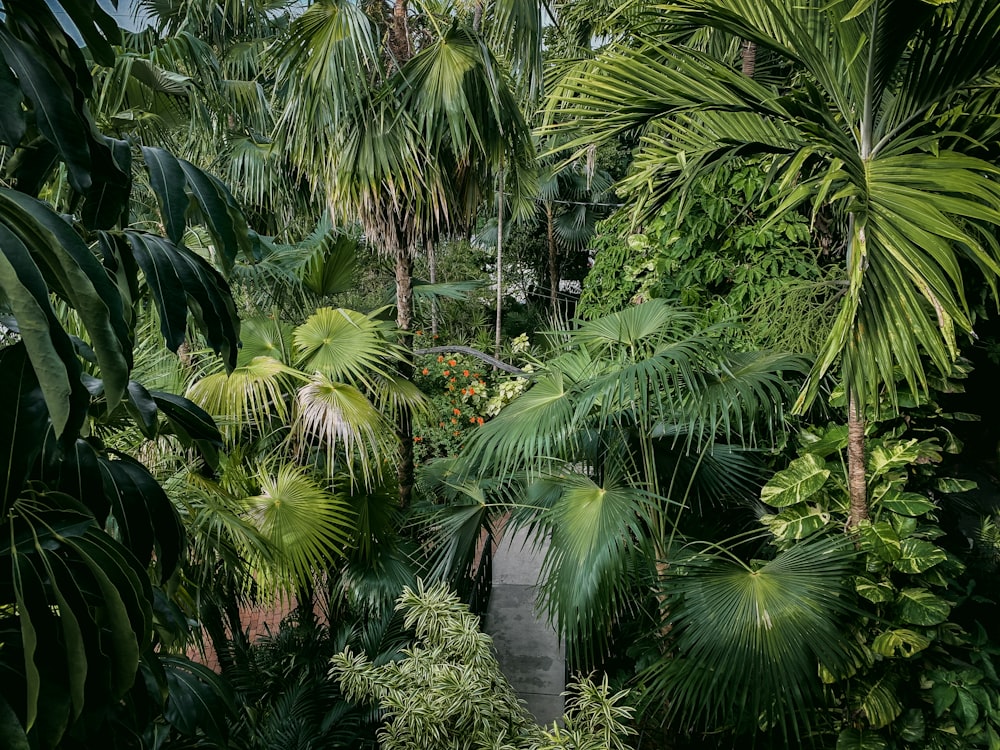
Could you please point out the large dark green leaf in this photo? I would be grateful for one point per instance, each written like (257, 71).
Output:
(221, 214)
(118, 260)
(12, 125)
(79, 600)
(181, 281)
(143, 513)
(198, 699)
(12, 734)
(31, 165)
(142, 408)
(857, 739)
(75, 274)
(124, 595)
(24, 429)
(97, 29)
(56, 369)
(168, 181)
(192, 424)
(52, 99)
(106, 204)
(79, 473)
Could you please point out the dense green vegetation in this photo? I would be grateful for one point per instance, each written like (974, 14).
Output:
(302, 303)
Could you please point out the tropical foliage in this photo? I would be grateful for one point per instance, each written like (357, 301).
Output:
(877, 132)
(448, 690)
(807, 204)
(91, 536)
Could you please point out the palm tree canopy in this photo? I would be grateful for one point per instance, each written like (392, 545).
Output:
(892, 126)
(407, 150)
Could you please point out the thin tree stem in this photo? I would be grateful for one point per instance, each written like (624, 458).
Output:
(499, 263)
(404, 422)
(553, 261)
(432, 263)
(856, 481)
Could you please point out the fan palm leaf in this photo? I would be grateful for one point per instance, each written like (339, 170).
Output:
(265, 337)
(339, 419)
(309, 526)
(597, 548)
(345, 345)
(251, 396)
(747, 641)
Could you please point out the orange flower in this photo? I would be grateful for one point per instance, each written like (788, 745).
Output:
(440, 358)
(463, 391)
(440, 424)
(420, 333)
(417, 438)
(425, 371)
(455, 433)
(456, 412)
(465, 373)
(452, 362)
(472, 391)
(454, 421)
(479, 420)
(476, 376)
(446, 373)
(452, 380)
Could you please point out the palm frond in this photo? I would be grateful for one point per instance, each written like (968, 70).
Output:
(343, 344)
(249, 397)
(307, 525)
(340, 421)
(597, 553)
(765, 628)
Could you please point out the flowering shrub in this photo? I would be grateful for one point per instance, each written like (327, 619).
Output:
(464, 393)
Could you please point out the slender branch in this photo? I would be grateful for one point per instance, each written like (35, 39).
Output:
(497, 363)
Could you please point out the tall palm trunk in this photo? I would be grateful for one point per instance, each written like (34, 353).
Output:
(856, 482)
(399, 35)
(402, 50)
(749, 58)
(404, 422)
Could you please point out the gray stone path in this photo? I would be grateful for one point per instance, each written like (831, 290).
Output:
(527, 647)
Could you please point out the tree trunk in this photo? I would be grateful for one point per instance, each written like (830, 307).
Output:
(432, 263)
(477, 16)
(856, 480)
(749, 56)
(404, 423)
(499, 262)
(399, 38)
(553, 262)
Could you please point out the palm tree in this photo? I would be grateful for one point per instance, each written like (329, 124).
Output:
(570, 197)
(641, 413)
(307, 419)
(890, 125)
(404, 140)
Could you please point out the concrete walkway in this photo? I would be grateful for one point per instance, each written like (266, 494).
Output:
(527, 647)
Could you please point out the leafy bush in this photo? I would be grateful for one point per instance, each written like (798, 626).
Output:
(448, 690)
(921, 672)
(464, 393)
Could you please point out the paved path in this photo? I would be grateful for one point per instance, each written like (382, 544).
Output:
(529, 651)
